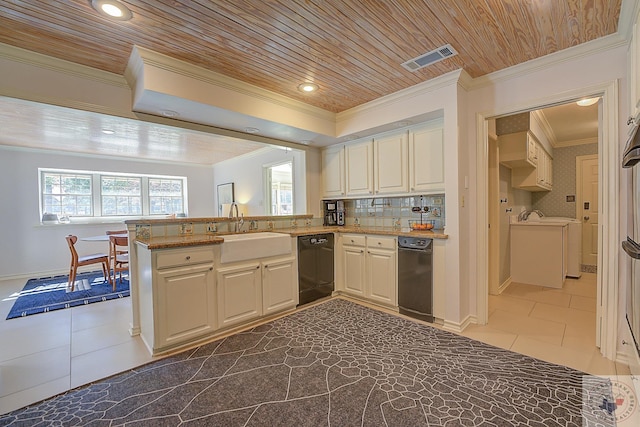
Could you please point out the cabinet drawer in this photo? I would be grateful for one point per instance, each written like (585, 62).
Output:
(174, 258)
(381, 242)
(354, 240)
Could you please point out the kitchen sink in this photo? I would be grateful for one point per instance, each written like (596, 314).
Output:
(246, 246)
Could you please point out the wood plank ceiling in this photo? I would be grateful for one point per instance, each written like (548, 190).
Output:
(351, 48)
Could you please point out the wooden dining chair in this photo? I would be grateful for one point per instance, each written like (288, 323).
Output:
(118, 232)
(79, 261)
(119, 256)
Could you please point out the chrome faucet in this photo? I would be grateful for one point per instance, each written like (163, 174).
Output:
(524, 215)
(237, 219)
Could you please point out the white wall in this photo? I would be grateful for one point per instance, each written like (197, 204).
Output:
(29, 248)
(246, 172)
(555, 79)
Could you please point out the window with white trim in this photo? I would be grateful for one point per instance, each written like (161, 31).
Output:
(87, 194)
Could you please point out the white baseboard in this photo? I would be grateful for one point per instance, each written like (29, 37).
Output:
(459, 327)
(504, 285)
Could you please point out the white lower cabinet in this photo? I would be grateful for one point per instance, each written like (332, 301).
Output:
(381, 275)
(251, 290)
(369, 268)
(239, 294)
(177, 296)
(186, 297)
(279, 285)
(354, 272)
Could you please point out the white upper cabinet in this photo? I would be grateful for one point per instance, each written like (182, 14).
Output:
(519, 150)
(333, 176)
(426, 159)
(391, 164)
(404, 162)
(359, 160)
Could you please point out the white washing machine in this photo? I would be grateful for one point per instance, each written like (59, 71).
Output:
(574, 242)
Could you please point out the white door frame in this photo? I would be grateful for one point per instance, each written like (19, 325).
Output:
(608, 189)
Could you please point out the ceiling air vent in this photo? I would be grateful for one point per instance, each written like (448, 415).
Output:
(429, 58)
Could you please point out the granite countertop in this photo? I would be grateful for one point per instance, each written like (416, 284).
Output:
(165, 242)
(179, 241)
(388, 231)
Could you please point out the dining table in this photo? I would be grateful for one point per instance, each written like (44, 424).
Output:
(101, 237)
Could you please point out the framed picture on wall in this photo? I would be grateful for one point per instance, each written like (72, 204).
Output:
(225, 196)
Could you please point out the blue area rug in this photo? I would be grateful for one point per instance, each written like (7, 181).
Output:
(51, 293)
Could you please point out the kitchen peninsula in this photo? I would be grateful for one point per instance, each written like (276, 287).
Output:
(193, 279)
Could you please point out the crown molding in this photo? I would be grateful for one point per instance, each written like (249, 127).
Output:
(69, 103)
(465, 81)
(402, 95)
(628, 13)
(39, 60)
(570, 54)
(172, 65)
(541, 119)
(583, 141)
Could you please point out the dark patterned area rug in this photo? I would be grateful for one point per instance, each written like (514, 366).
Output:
(335, 364)
(51, 293)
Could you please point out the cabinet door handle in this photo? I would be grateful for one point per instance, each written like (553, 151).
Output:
(210, 268)
(188, 257)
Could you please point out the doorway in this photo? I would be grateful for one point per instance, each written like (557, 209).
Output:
(279, 189)
(608, 216)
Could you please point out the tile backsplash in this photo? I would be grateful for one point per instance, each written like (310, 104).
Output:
(383, 212)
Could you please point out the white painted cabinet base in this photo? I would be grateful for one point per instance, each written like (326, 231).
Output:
(539, 254)
(177, 296)
(239, 294)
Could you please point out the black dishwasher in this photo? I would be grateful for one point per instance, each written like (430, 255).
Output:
(315, 267)
(415, 277)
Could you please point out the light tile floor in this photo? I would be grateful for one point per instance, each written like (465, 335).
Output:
(556, 325)
(47, 354)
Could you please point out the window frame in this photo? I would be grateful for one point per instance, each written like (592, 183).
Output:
(96, 193)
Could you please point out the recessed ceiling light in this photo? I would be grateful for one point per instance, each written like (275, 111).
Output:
(169, 113)
(108, 131)
(307, 87)
(587, 101)
(112, 9)
(251, 130)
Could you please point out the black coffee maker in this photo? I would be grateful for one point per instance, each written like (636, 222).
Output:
(333, 212)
